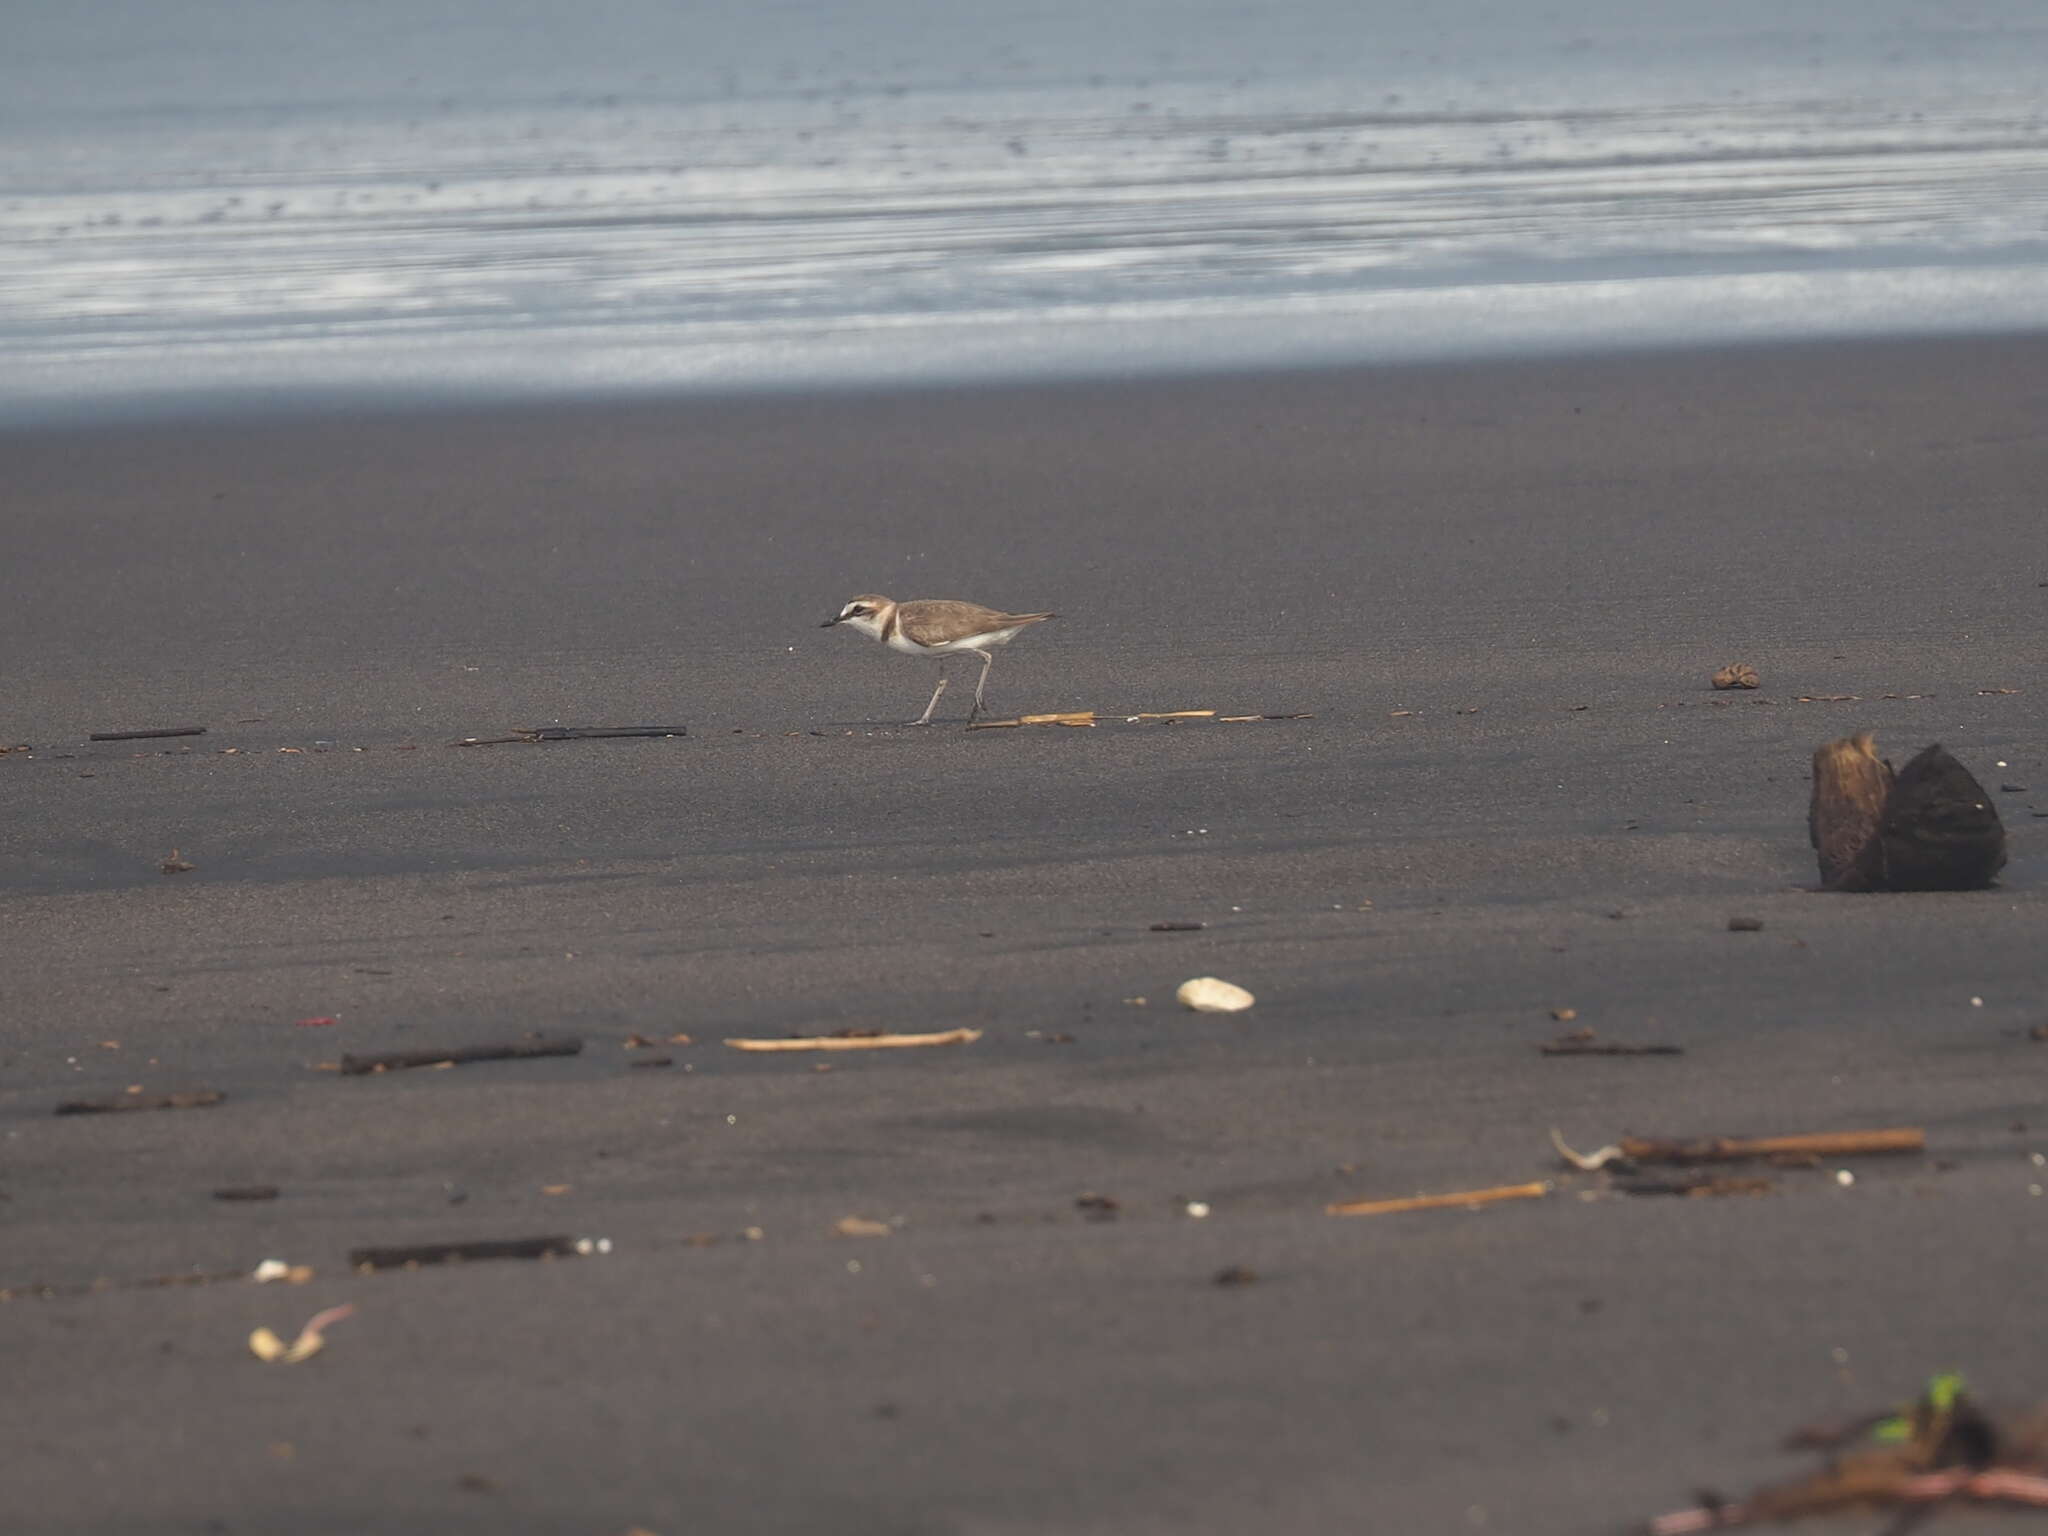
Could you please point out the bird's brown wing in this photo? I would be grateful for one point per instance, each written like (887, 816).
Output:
(934, 621)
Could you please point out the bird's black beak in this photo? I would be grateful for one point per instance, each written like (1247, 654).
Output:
(831, 621)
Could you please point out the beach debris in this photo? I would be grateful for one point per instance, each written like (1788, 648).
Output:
(1939, 1448)
(1564, 1015)
(1173, 714)
(1806, 1147)
(571, 733)
(1076, 717)
(858, 1040)
(174, 864)
(1745, 925)
(1209, 994)
(1234, 1275)
(135, 1098)
(1583, 1042)
(246, 1192)
(268, 1271)
(653, 1061)
(510, 1050)
(174, 730)
(1930, 827)
(321, 1021)
(1178, 927)
(1469, 1199)
(418, 1255)
(2038, 1032)
(269, 1348)
(1737, 674)
(861, 1226)
(1695, 1186)
(1098, 1207)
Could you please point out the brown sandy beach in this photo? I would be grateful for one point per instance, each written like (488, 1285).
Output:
(1497, 589)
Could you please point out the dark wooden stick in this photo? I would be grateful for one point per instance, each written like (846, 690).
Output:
(462, 1253)
(1606, 1048)
(393, 1061)
(247, 1192)
(1729, 1149)
(193, 1098)
(598, 732)
(572, 733)
(176, 730)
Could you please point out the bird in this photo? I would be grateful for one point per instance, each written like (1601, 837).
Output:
(936, 627)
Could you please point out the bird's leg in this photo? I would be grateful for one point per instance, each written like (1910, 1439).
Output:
(988, 659)
(926, 717)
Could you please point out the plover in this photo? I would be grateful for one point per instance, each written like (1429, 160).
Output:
(936, 627)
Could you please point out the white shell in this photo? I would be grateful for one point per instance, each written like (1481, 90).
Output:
(1205, 994)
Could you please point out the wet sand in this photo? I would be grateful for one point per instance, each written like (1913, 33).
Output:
(1499, 591)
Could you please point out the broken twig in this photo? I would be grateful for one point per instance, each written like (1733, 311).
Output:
(571, 733)
(1730, 1149)
(415, 1255)
(176, 730)
(1698, 1185)
(1465, 1199)
(857, 1042)
(393, 1061)
(1583, 1042)
(192, 1098)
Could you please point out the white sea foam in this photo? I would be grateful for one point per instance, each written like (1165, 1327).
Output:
(812, 222)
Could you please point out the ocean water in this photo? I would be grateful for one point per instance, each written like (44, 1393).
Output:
(291, 200)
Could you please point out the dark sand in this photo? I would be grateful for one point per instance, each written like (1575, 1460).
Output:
(1442, 564)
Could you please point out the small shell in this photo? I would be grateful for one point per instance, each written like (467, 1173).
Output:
(1205, 994)
(1737, 674)
(266, 1346)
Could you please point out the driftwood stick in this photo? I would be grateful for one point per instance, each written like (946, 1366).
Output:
(571, 733)
(176, 730)
(192, 1098)
(1728, 1149)
(858, 1042)
(1570, 1047)
(392, 1061)
(418, 1254)
(597, 732)
(1465, 1199)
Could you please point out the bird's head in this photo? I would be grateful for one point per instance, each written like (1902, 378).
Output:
(863, 613)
